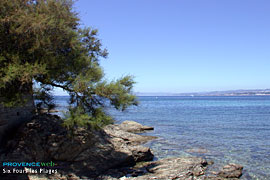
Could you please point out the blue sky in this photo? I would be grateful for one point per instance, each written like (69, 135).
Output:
(183, 45)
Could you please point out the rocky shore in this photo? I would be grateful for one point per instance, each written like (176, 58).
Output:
(114, 152)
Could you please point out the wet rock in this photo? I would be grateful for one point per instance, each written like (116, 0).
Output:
(231, 171)
(134, 127)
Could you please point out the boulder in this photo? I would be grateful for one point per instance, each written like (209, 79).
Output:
(141, 153)
(231, 171)
(134, 127)
(130, 138)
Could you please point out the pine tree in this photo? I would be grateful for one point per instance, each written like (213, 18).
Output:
(42, 43)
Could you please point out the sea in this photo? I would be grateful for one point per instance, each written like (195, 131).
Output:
(229, 129)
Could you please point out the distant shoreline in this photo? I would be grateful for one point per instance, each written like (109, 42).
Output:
(253, 92)
(240, 92)
(190, 95)
(202, 95)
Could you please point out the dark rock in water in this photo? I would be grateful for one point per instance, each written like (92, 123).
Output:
(134, 127)
(88, 153)
(141, 153)
(231, 171)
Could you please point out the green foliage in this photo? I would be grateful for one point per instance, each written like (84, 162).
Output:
(41, 41)
(76, 117)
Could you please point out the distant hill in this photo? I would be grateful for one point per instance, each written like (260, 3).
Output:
(241, 92)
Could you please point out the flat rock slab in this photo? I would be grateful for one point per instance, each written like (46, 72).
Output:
(182, 168)
(178, 168)
(131, 138)
(134, 127)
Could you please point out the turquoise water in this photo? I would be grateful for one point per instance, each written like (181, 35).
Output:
(222, 129)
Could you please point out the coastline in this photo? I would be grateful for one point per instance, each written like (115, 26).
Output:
(111, 153)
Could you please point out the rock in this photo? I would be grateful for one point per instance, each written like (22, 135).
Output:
(231, 171)
(110, 153)
(165, 169)
(130, 138)
(134, 127)
(141, 153)
(87, 153)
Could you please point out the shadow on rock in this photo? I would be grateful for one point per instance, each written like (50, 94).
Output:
(85, 155)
